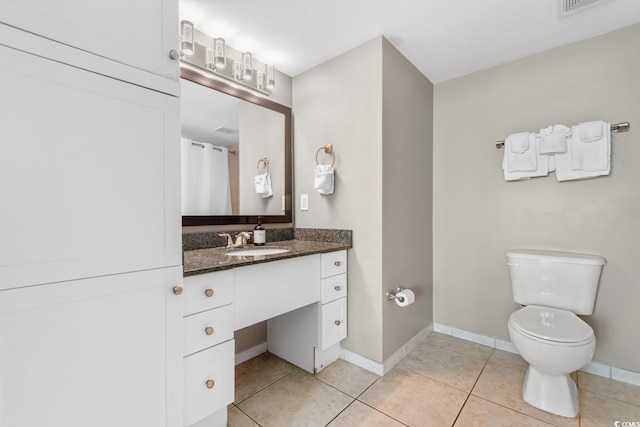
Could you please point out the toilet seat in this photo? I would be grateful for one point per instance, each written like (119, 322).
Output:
(551, 326)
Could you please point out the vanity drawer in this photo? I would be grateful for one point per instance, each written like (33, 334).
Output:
(333, 323)
(206, 291)
(334, 263)
(334, 287)
(208, 381)
(207, 329)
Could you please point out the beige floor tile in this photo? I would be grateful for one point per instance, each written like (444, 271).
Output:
(444, 365)
(237, 418)
(360, 415)
(347, 377)
(503, 385)
(509, 360)
(469, 348)
(482, 413)
(257, 373)
(598, 411)
(414, 399)
(611, 388)
(296, 400)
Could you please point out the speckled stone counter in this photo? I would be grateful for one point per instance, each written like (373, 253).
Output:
(214, 259)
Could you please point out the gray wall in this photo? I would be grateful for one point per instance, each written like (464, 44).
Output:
(477, 215)
(407, 132)
(375, 109)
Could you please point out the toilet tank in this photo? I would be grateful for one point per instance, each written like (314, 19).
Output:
(562, 280)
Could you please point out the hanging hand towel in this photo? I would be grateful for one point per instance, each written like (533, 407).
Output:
(553, 139)
(263, 185)
(323, 179)
(584, 159)
(526, 164)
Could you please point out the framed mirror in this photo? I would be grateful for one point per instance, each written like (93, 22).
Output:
(231, 141)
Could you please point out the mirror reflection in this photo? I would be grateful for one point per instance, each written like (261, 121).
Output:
(235, 151)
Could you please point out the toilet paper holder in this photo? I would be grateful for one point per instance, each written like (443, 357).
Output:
(393, 294)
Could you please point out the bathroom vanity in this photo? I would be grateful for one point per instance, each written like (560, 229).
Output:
(302, 293)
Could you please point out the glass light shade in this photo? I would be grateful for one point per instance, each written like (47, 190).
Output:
(237, 70)
(187, 45)
(271, 78)
(209, 58)
(220, 57)
(247, 66)
(260, 80)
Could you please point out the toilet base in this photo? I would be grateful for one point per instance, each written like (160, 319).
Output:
(556, 394)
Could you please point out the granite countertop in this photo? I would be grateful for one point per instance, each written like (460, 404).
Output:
(201, 261)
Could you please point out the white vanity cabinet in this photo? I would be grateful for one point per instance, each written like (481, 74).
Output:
(208, 347)
(138, 33)
(309, 337)
(98, 352)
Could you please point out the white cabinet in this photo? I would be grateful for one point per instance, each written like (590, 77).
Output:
(138, 33)
(209, 348)
(309, 337)
(89, 174)
(98, 352)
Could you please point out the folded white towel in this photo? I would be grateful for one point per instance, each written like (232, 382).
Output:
(263, 185)
(593, 154)
(593, 158)
(543, 163)
(591, 131)
(553, 139)
(520, 153)
(324, 179)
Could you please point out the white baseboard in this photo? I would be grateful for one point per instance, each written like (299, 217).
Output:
(251, 353)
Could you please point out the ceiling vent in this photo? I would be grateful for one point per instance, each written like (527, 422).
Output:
(569, 6)
(223, 129)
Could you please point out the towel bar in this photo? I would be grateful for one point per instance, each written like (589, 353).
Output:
(616, 128)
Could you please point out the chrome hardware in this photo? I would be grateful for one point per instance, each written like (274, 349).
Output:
(208, 293)
(177, 290)
(337, 263)
(210, 384)
(337, 288)
(392, 295)
(229, 239)
(208, 330)
(173, 54)
(337, 322)
(241, 239)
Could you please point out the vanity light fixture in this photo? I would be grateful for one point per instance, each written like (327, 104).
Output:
(187, 46)
(209, 59)
(271, 79)
(247, 63)
(237, 70)
(220, 56)
(260, 80)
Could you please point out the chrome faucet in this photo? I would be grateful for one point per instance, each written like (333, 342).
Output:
(229, 239)
(241, 239)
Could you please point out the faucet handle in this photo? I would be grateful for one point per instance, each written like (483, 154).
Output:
(228, 237)
(241, 238)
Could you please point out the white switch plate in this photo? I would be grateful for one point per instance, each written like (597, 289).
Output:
(304, 202)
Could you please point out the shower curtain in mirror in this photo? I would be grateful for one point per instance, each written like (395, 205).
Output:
(205, 179)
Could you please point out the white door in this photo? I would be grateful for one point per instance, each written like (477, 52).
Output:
(139, 33)
(100, 352)
(89, 174)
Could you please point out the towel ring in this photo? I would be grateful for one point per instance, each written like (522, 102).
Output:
(266, 165)
(329, 150)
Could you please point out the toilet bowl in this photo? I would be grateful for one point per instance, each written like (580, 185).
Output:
(555, 343)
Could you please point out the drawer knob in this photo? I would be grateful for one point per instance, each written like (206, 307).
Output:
(337, 263)
(177, 290)
(208, 330)
(210, 384)
(209, 293)
(337, 288)
(337, 322)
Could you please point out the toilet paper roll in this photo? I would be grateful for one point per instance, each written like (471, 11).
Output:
(405, 297)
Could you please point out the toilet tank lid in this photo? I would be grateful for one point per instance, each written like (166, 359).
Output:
(554, 256)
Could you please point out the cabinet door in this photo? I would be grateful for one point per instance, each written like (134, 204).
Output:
(139, 33)
(89, 174)
(99, 352)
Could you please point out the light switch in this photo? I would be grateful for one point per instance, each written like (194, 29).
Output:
(304, 202)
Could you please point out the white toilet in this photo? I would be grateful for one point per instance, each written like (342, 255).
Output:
(554, 287)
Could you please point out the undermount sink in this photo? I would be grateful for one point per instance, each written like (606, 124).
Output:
(257, 251)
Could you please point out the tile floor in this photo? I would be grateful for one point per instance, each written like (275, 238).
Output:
(445, 381)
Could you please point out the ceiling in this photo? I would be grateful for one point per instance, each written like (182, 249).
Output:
(444, 39)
